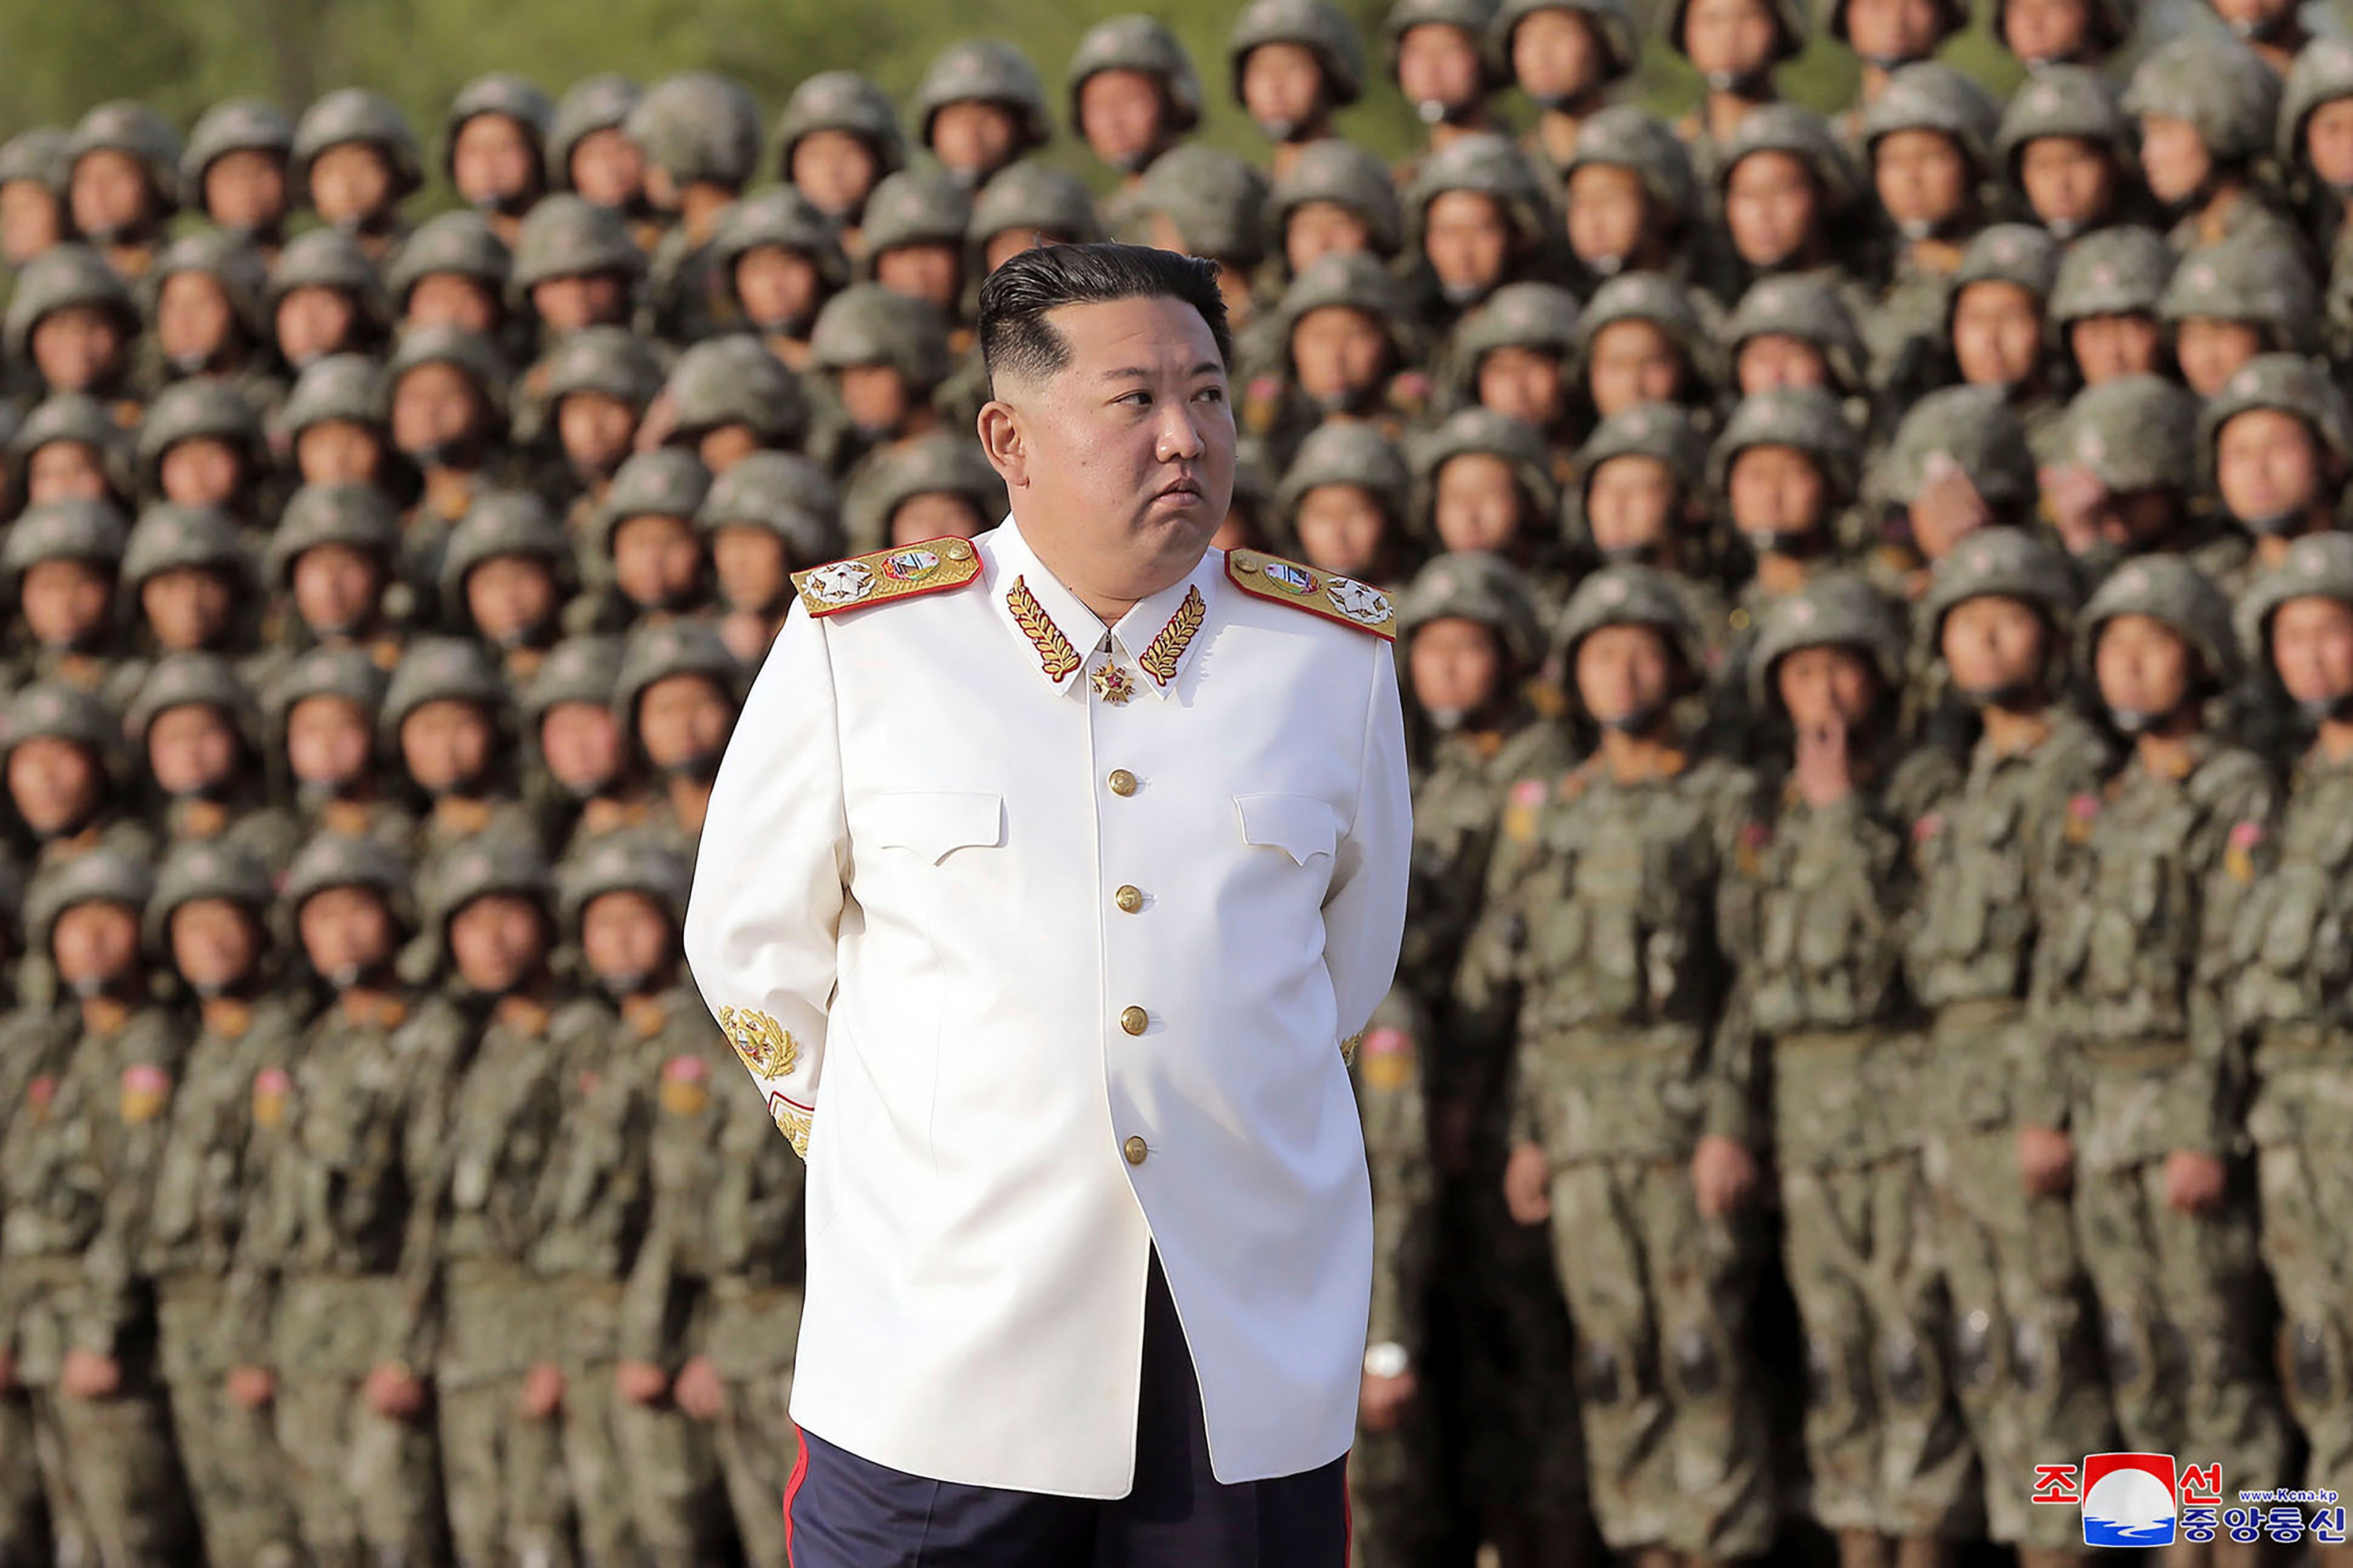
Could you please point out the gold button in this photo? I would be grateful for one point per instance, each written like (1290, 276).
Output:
(1122, 783)
(1135, 1150)
(958, 551)
(1132, 1020)
(1129, 900)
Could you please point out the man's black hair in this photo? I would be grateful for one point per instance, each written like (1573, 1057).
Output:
(1016, 340)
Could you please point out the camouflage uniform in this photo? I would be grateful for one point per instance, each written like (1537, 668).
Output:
(25, 1524)
(1927, 95)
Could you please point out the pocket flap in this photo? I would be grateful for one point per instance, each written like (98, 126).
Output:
(933, 823)
(1300, 826)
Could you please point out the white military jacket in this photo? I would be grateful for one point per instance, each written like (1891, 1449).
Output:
(1043, 943)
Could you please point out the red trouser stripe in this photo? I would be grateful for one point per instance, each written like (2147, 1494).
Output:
(800, 1473)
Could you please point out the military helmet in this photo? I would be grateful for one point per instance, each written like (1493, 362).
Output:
(1611, 21)
(782, 493)
(235, 265)
(1482, 430)
(1472, 585)
(57, 278)
(355, 114)
(106, 874)
(1216, 201)
(338, 670)
(1803, 418)
(359, 517)
(328, 258)
(594, 103)
(1141, 44)
(1472, 16)
(348, 388)
(193, 680)
(1807, 308)
(1353, 280)
(2172, 590)
(1539, 316)
(198, 409)
(698, 126)
(914, 207)
(433, 670)
(2136, 433)
(2121, 271)
(2291, 383)
(332, 860)
(204, 869)
(2245, 278)
(170, 538)
(1348, 175)
(941, 463)
(52, 711)
(1665, 432)
(1997, 563)
(487, 863)
(471, 352)
(1929, 95)
(68, 529)
(2066, 100)
(624, 863)
(232, 125)
(779, 217)
(1629, 596)
(129, 127)
(1832, 609)
(1803, 134)
(503, 93)
(868, 324)
(566, 237)
(1789, 16)
(841, 100)
(459, 243)
(991, 71)
(668, 481)
(2219, 85)
(1318, 26)
(2322, 73)
(77, 417)
(577, 670)
(613, 360)
(501, 524)
(1654, 298)
(1490, 165)
(1624, 136)
(2318, 567)
(2017, 253)
(660, 649)
(40, 155)
(1971, 428)
(1348, 452)
(1034, 197)
(736, 381)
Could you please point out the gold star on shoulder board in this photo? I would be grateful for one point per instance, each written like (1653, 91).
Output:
(1112, 683)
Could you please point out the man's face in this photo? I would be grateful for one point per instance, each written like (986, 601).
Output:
(1124, 116)
(1729, 38)
(447, 744)
(836, 169)
(2040, 31)
(752, 566)
(95, 943)
(1623, 672)
(1609, 214)
(1771, 359)
(2328, 142)
(656, 559)
(329, 741)
(2174, 158)
(933, 273)
(1339, 352)
(1992, 642)
(1320, 228)
(1829, 685)
(1629, 505)
(596, 428)
(1770, 207)
(1523, 383)
(1922, 178)
(625, 936)
(187, 606)
(246, 189)
(976, 137)
(1633, 361)
(1477, 503)
(336, 587)
(191, 749)
(495, 164)
(581, 299)
(2211, 350)
(79, 348)
(434, 406)
(1996, 335)
(453, 299)
(346, 932)
(1456, 667)
(1775, 490)
(779, 289)
(216, 942)
(2070, 182)
(1467, 240)
(1894, 30)
(682, 723)
(64, 471)
(54, 784)
(511, 597)
(582, 744)
(607, 169)
(1439, 71)
(1121, 465)
(498, 940)
(351, 183)
(64, 601)
(193, 318)
(109, 194)
(31, 220)
(2267, 465)
(314, 321)
(2107, 347)
(2312, 648)
(203, 471)
(1342, 528)
(1282, 89)
(2143, 665)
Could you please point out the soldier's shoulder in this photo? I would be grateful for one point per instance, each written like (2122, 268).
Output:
(2076, 748)
(1327, 594)
(2233, 777)
(882, 576)
(1926, 775)
(1541, 750)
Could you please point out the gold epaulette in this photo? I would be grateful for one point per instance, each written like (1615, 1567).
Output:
(901, 573)
(1324, 594)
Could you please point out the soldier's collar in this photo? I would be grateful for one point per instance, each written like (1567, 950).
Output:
(227, 1016)
(2178, 763)
(521, 1013)
(1150, 645)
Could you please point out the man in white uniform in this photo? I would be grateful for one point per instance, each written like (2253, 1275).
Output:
(1045, 884)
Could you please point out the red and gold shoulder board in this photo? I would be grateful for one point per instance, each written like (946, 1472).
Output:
(1324, 594)
(886, 575)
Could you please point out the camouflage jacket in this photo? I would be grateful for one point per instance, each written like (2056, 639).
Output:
(596, 1193)
(1386, 1072)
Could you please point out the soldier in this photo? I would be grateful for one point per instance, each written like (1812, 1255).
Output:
(453, 272)
(2040, 33)
(1795, 332)
(589, 149)
(1641, 339)
(771, 515)
(2316, 156)
(2103, 302)
(1029, 204)
(1887, 35)
(446, 414)
(69, 448)
(1133, 95)
(1294, 64)
(337, 1244)
(206, 307)
(32, 193)
(1989, 855)
(1566, 55)
(64, 763)
(1510, 357)
(62, 562)
(190, 574)
(931, 488)
(837, 139)
(1929, 141)
(2127, 990)
(123, 183)
(209, 920)
(1787, 468)
(324, 298)
(1632, 1117)
(2274, 444)
(331, 561)
(1630, 201)
(2278, 996)
(1439, 58)
(676, 701)
(25, 1524)
(2124, 478)
(494, 148)
(1636, 496)
(780, 260)
(235, 171)
(2232, 301)
(980, 106)
(201, 446)
(576, 267)
(2208, 110)
(2067, 146)
(1336, 196)
(1482, 481)
(1477, 221)
(700, 133)
(195, 732)
(445, 718)
(568, 723)
(913, 235)
(881, 357)
(649, 559)
(1958, 463)
(1735, 45)
(1346, 500)
(78, 1170)
(1823, 991)
(729, 397)
(1995, 328)
(1791, 200)
(74, 322)
(1202, 202)
(1346, 346)
(593, 389)
(505, 579)
(355, 161)
(322, 742)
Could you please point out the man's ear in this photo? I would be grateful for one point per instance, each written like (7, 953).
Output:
(1002, 439)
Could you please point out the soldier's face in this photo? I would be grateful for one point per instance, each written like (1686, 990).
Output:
(1283, 89)
(1633, 361)
(582, 744)
(446, 744)
(607, 169)
(351, 183)
(452, 299)
(723, 447)
(1339, 352)
(876, 397)
(1555, 56)
(656, 559)
(1777, 490)
(312, 321)
(194, 319)
(2039, 31)
(2328, 142)
(2144, 665)
(1478, 504)
(2174, 158)
(336, 588)
(779, 289)
(1770, 360)
(1770, 207)
(330, 740)
(1833, 687)
(1525, 383)
(346, 932)
(214, 945)
(1922, 178)
(974, 136)
(836, 169)
(626, 936)
(2312, 648)
(1467, 240)
(1123, 115)
(31, 220)
(65, 470)
(1456, 667)
(246, 189)
(64, 601)
(1609, 215)
(511, 597)
(497, 941)
(495, 164)
(933, 273)
(1440, 69)
(2070, 182)
(1729, 37)
(109, 194)
(435, 407)
(2107, 347)
(596, 429)
(54, 782)
(1998, 334)
(2267, 465)
(1629, 506)
(751, 566)
(683, 720)
(95, 943)
(935, 514)
(189, 606)
(581, 300)
(79, 348)
(1994, 643)
(1623, 672)
(204, 470)
(1341, 528)
(1892, 31)
(2210, 351)
(1317, 229)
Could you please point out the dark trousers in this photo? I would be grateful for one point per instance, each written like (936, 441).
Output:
(842, 1511)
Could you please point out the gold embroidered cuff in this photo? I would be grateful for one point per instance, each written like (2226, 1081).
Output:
(1348, 1048)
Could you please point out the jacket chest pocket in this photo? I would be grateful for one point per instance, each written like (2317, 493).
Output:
(932, 825)
(1301, 825)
